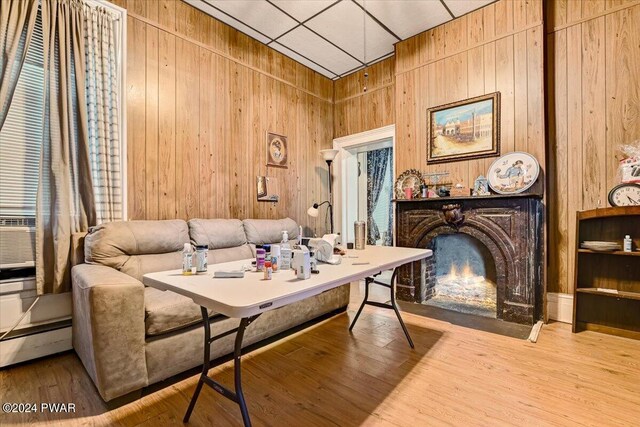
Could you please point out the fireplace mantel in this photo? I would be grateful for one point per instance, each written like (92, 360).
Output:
(510, 226)
(462, 198)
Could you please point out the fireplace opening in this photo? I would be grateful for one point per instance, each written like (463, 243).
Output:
(465, 275)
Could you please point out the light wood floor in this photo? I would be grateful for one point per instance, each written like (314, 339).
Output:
(325, 376)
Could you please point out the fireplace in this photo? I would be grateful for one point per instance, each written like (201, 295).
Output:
(487, 250)
(465, 275)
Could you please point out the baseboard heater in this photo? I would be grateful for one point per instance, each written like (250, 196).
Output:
(34, 342)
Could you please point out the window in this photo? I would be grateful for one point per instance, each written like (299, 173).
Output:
(21, 135)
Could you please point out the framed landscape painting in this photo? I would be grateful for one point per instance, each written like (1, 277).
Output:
(464, 130)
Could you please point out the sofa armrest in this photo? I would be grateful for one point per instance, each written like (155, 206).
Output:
(108, 328)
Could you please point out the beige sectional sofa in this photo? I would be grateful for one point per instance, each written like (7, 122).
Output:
(129, 336)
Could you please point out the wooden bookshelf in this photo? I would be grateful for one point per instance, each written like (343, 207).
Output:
(607, 284)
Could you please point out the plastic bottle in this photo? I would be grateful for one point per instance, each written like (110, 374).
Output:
(275, 257)
(202, 252)
(187, 260)
(285, 239)
(627, 243)
(268, 270)
(267, 255)
(260, 256)
(285, 252)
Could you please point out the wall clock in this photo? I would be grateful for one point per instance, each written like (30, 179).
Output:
(625, 195)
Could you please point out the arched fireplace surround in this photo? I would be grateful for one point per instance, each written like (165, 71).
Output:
(510, 228)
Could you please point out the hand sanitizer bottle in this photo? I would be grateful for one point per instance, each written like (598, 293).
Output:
(187, 260)
(285, 252)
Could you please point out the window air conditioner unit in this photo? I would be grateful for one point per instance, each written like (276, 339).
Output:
(17, 243)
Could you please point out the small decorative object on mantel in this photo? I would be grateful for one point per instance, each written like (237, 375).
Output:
(410, 178)
(267, 189)
(463, 130)
(424, 191)
(443, 192)
(460, 190)
(453, 215)
(481, 186)
(625, 195)
(277, 150)
(440, 189)
(513, 173)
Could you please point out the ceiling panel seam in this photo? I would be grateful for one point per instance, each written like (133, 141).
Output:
(448, 10)
(377, 21)
(236, 19)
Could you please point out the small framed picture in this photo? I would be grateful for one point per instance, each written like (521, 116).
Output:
(277, 150)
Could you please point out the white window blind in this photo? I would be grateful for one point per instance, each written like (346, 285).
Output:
(21, 135)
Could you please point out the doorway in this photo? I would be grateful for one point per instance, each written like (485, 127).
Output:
(364, 173)
(375, 182)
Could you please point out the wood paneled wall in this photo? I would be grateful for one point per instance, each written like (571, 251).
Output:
(355, 110)
(593, 54)
(496, 48)
(201, 97)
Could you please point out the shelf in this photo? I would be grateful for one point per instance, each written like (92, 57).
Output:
(619, 294)
(589, 251)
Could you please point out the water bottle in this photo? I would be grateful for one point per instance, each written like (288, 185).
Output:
(187, 260)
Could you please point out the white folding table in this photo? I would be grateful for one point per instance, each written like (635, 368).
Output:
(247, 298)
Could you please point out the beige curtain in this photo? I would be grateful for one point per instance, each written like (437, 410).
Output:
(17, 20)
(103, 112)
(65, 202)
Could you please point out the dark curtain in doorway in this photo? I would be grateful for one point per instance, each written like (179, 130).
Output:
(377, 163)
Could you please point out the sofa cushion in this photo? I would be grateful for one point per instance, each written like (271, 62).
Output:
(166, 311)
(218, 256)
(137, 247)
(261, 231)
(217, 233)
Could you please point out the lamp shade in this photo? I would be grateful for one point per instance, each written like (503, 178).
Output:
(313, 211)
(329, 154)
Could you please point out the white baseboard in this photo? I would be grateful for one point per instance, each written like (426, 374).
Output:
(29, 347)
(560, 307)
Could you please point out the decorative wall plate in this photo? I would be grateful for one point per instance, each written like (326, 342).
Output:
(513, 173)
(409, 179)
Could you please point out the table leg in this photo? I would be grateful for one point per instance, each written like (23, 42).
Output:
(205, 364)
(237, 354)
(238, 395)
(393, 306)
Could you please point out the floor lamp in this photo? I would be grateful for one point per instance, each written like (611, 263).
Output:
(328, 155)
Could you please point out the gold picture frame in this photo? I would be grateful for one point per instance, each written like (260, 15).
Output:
(464, 130)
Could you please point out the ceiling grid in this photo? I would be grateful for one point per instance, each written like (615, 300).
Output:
(328, 35)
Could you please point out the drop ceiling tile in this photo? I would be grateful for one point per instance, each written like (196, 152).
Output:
(312, 46)
(408, 17)
(257, 14)
(303, 9)
(304, 61)
(343, 25)
(200, 4)
(460, 7)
